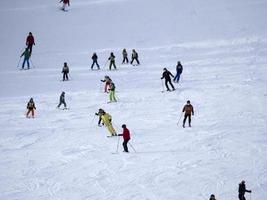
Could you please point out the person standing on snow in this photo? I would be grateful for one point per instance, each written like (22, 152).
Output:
(112, 61)
(167, 75)
(62, 100)
(107, 80)
(179, 70)
(188, 110)
(242, 190)
(65, 71)
(126, 137)
(94, 58)
(212, 197)
(125, 57)
(112, 93)
(135, 57)
(27, 56)
(65, 3)
(31, 108)
(30, 42)
(106, 119)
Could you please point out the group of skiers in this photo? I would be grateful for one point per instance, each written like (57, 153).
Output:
(28, 50)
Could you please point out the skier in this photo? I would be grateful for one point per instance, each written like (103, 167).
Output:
(94, 58)
(65, 3)
(189, 110)
(135, 57)
(212, 197)
(179, 70)
(27, 56)
(99, 114)
(112, 93)
(106, 119)
(30, 42)
(62, 100)
(31, 108)
(65, 71)
(126, 137)
(166, 74)
(107, 81)
(112, 61)
(125, 57)
(242, 190)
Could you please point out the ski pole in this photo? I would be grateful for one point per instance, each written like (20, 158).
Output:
(132, 147)
(32, 63)
(93, 119)
(118, 144)
(179, 119)
(19, 61)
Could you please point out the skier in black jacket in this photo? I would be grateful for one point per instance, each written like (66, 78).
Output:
(62, 100)
(179, 71)
(94, 58)
(167, 75)
(242, 190)
(135, 57)
(112, 61)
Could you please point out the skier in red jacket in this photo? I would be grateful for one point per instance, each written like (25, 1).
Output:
(126, 137)
(30, 42)
(65, 3)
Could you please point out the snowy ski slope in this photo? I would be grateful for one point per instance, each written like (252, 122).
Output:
(64, 155)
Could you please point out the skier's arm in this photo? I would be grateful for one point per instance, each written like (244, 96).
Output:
(22, 54)
(183, 109)
(192, 110)
(171, 75)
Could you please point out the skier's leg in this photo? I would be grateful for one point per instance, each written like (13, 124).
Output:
(114, 65)
(110, 96)
(124, 144)
(175, 78)
(97, 64)
(33, 113)
(110, 64)
(111, 129)
(185, 116)
(171, 85)
(166, 84)
(64, 76)
(137, 61)
(23, 63)
(28, 64)
(114, 98)
(27, 114)
(127, 61)
(65, 105)
(189, 120)
(178, 77)
(59, 104)
(67, 76)
(92, 64)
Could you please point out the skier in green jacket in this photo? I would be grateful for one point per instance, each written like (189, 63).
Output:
(27, 56)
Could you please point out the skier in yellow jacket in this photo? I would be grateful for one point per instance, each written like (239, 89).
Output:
(106, 119)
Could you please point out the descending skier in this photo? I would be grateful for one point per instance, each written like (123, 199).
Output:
(65, 3)
(112, 92)
(188, 110)
(242, 190)
(107, 80)
(112, 61)
(65, 71)
(167, 75)
(31, 108)
(62, 100)
(27, 56)
(106, 119)
(94, 58)
(126, 137)
(179, 70)
(135, 57)
(99, 114)
(212, 197)
(30, 42)
(125, 57)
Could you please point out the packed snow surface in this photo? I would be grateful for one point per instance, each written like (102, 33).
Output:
(64, 155)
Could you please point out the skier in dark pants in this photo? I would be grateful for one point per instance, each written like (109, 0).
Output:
(30, 42)
(167, 75)
(65, 72)
(126, 137)
(125, 57)
(188, 110)
(179, 70)
(112, 61)
(27, 56)
(212, 197)
(242, 190)
(135, 57)
(31, 107)
(94, 58)
(62, 100)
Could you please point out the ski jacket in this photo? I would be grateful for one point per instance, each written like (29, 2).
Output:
(112, 58)
(167, 75)
(65, 2)
(112, 86)
(179, 68)
(106, 119)
(65, 69)
(188, 109)
(134, 55)
(30, 40)
(26, 54)
(62, 98)
(125, 134)
(242, 189)
(94, 57)
(124, 53)
(31, 105)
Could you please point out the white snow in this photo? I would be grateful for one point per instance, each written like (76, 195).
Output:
(64, 155)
